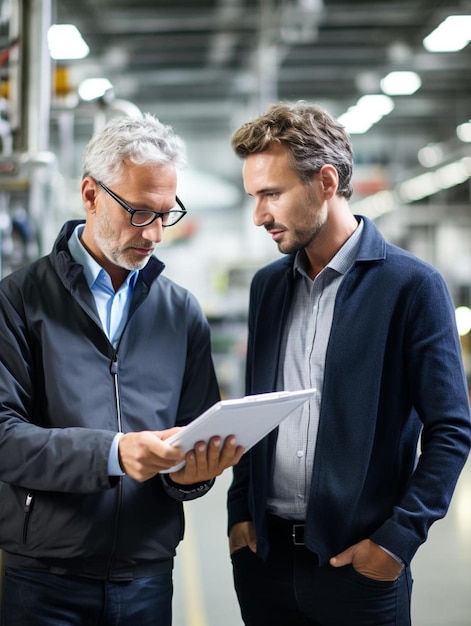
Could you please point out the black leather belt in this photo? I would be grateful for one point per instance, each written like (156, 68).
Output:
(298, 534)
(283, 529)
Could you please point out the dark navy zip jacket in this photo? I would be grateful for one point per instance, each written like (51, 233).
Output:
(65, 392)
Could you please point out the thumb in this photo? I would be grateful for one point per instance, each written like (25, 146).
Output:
(343, 558)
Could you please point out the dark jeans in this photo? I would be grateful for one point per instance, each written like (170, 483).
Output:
(290, 589)
(42, 599)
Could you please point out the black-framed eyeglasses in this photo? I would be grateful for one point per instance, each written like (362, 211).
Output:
(144, 217)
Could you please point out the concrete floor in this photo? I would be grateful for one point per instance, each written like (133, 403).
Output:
(204, 595)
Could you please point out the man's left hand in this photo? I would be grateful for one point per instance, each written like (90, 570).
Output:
(206, 461)
(369, 560)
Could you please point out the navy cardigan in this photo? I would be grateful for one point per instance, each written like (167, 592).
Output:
(393, 373)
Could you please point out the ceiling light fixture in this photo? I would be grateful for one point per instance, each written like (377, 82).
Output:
(424, 185)
(415, 188)
(400, 83)
(369, 109)
(430, 155)
(453, 34)
(93, 88)
(463, 132)
(463, 320)
(66, 42)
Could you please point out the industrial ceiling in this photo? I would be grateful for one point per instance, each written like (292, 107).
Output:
(205, 66)
(206, 63)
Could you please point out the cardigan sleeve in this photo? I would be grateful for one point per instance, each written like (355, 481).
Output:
(439, 395)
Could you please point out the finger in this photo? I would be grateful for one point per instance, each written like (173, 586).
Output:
(241, 535)
(231, 453)
(220, 457)
(213, 455)
(196, 467)
(169, 432)
(190, 463)
(203, 460)
(155, 456)
(164, 452)
(341, 559)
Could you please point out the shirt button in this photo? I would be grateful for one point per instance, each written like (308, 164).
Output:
(300, 453)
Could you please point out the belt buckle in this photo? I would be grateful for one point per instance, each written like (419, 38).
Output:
(298, 534)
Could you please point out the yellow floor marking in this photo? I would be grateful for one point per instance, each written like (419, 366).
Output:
(193, 598)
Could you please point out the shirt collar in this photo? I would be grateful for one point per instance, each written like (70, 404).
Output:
(342, 261)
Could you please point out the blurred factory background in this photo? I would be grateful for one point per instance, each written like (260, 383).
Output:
(396, 72)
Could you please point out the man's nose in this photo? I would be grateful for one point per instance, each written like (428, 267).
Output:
(260, 214)
(154, 231)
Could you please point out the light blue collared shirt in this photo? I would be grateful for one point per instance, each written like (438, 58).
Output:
(113, 306)
(113, 309)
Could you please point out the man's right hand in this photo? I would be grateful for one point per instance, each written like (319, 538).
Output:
(144, 454)
(242, 535)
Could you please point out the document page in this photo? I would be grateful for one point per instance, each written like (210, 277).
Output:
(249, 419)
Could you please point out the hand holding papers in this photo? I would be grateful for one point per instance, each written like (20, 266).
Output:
(249, 418)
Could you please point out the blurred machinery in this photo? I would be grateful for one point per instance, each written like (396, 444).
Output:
(26, 167)
(34, 181)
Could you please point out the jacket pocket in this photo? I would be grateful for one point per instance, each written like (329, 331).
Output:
(14, 521)
(28, 508)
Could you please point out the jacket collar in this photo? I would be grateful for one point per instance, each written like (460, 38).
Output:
(372, 245)
(69, 270)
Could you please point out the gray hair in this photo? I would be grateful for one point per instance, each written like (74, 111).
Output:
(313, 137)
(141, 140)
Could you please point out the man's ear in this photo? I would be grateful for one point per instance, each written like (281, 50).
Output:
(329, 179)
(89, 194)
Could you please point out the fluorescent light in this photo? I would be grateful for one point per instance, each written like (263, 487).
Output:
(375, 205)
(415, 188)
(377, 105)
(430, 155)
(92, 88)
(443, 178)
(452, 174)
(369, 109)
(66, 42)
(463, 132)
(418, 187)
(453, 34)
(400, 83)
(355, 122)
(463, 320)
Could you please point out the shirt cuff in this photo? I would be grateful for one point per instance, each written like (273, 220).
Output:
(394, 556)
(114, 468)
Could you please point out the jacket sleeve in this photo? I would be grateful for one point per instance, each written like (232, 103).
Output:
(32, 456)
(439, 396)
(200, 391)
(237, 498)
(184, 493)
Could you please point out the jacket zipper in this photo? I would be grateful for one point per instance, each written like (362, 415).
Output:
(114, 373)
(27, 514)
